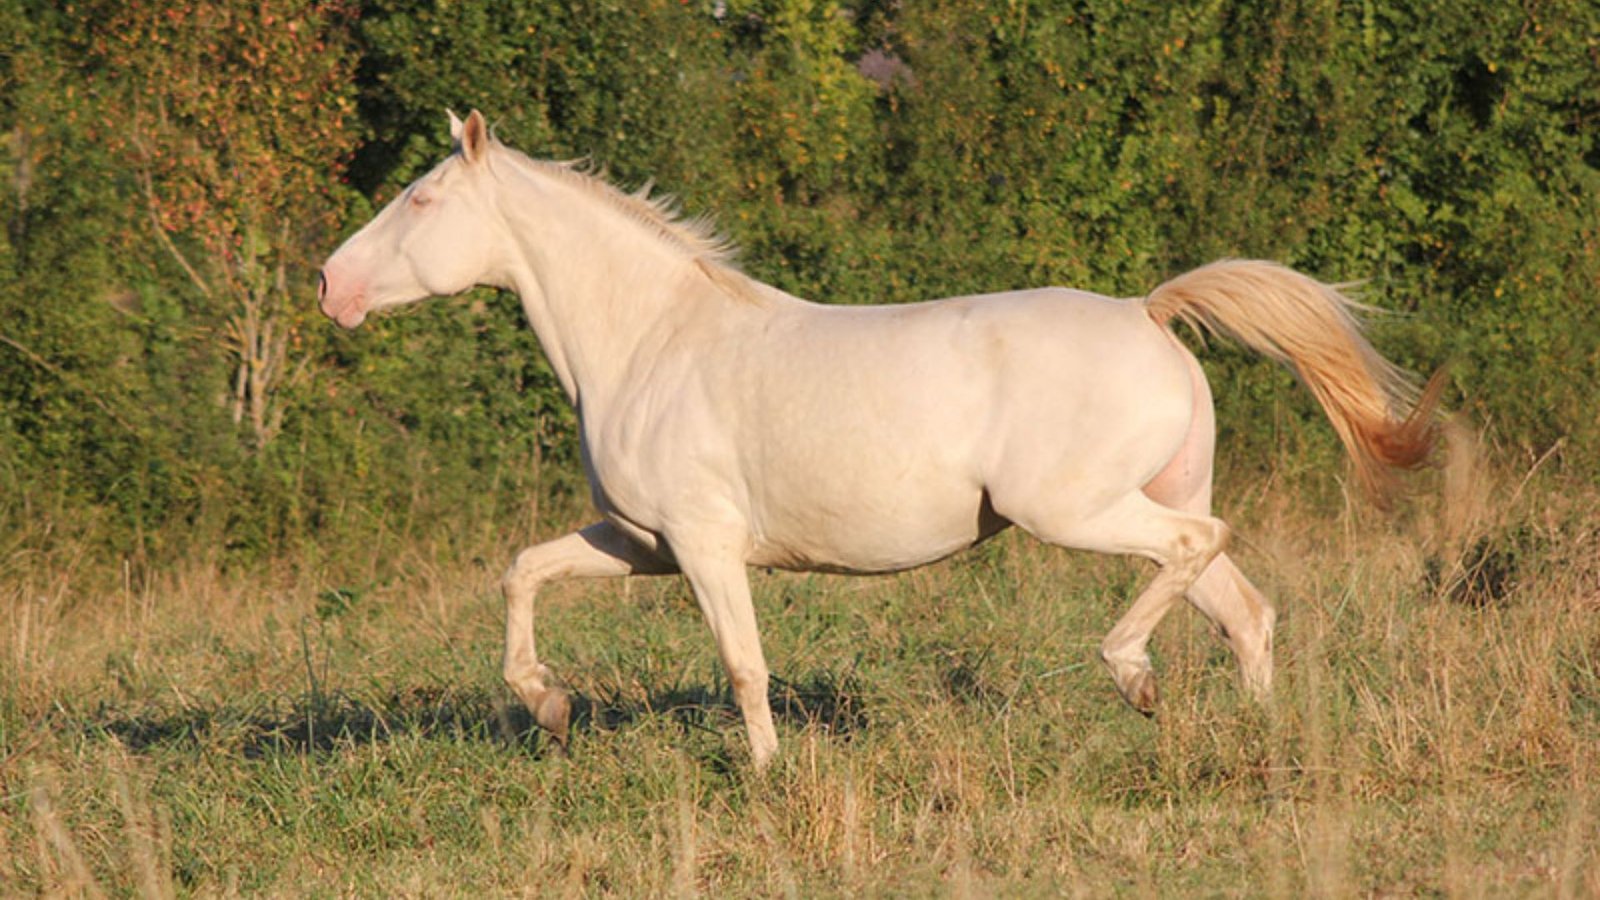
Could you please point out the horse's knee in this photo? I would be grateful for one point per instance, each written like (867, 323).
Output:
(530, 568)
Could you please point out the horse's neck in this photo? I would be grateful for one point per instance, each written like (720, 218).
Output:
(600, 289)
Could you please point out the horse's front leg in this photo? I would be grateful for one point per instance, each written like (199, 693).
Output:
(722, 588)
(596, 551)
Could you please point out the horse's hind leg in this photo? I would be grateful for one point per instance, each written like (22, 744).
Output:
(596, 551)
(1183, 544)
(1184, 547)
(1239, 612)
(1242, 617)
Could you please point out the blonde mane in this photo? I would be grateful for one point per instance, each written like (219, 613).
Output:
(712, 252)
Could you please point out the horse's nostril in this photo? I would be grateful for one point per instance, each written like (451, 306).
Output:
(322, 286)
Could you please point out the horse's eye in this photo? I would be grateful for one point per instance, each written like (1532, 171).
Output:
(420, 198)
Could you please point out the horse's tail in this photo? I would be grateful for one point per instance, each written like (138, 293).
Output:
(1386, 423)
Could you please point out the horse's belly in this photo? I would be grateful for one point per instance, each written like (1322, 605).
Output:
(876, 533)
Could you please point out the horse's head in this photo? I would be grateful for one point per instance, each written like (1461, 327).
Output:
(441, 236)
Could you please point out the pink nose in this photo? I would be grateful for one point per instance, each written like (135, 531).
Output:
(341, 302)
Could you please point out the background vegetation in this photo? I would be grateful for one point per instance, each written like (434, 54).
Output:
(175, 171)
(247, 561)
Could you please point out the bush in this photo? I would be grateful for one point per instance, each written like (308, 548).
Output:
(162, 175)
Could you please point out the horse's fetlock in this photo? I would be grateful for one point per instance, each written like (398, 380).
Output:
(747, 681)
(1119, 660)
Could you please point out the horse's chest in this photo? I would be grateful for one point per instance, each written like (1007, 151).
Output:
(655, 465)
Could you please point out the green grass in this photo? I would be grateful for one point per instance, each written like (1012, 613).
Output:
(945, 731)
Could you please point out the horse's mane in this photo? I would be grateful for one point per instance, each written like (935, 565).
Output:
(712, 252)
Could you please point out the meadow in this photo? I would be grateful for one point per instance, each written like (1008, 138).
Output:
(336, 725)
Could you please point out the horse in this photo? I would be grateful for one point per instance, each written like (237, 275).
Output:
(725, 424)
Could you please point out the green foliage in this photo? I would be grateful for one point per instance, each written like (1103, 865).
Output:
(79, 419)
(172, 173)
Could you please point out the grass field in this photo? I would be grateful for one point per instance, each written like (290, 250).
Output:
(337, 726)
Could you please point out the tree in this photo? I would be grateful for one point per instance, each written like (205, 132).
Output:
(234, 117)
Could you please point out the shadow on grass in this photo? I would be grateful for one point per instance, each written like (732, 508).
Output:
(821, 701)
(324, 722)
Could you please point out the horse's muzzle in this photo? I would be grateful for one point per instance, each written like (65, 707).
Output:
(345, 308)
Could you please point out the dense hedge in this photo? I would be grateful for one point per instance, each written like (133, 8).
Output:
(173, 172)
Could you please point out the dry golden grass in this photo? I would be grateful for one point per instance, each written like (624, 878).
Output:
(343, 731)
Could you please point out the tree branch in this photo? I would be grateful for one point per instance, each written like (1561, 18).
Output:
(152, 207)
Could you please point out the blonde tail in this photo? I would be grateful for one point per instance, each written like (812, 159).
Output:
(1386, 423)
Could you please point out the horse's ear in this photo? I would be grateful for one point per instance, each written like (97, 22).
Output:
(471, 136)
(455, 125)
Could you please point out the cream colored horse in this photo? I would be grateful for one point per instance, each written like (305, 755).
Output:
(726, 424)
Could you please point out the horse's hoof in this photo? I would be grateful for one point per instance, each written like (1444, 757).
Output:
(1258, 683)
(1134, 678)
(1140, 692)
(554, 714)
